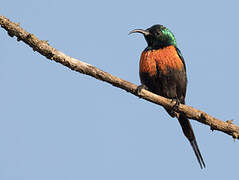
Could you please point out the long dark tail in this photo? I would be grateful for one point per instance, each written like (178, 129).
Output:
(188, 132)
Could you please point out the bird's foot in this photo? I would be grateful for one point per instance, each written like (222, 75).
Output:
(175, 106)
(139, 89)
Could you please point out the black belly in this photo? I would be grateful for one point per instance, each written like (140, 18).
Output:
(170, 85)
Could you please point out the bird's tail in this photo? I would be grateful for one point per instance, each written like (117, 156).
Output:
(188, 132)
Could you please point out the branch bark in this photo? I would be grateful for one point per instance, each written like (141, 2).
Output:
(51, 53)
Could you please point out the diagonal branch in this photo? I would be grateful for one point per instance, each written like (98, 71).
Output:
(51, 53)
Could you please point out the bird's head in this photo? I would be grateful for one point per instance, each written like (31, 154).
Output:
(157, 36)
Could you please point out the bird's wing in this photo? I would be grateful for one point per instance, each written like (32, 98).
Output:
(181, 57)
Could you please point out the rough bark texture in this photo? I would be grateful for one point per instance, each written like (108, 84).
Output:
(51, 53)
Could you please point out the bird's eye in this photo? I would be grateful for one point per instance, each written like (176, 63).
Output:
(158, 33)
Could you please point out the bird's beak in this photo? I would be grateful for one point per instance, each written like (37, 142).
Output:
(144, 32)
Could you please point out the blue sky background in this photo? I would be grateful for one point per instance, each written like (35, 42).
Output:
(59, 124)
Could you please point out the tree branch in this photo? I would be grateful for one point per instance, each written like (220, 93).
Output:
(51, 53)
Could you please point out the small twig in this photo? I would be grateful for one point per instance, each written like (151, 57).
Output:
(51, 53)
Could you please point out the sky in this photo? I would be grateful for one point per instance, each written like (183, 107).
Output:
(60, 124)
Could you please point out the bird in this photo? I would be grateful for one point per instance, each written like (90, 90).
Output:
(162, 71)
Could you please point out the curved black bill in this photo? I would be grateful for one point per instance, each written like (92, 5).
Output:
(144, 32)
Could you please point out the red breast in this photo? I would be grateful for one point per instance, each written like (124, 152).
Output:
(165, 58)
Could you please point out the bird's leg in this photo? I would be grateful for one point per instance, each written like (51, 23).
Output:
(139, 89)
(175, 106)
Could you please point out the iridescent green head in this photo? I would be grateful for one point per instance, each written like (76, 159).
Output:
(157, 36)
